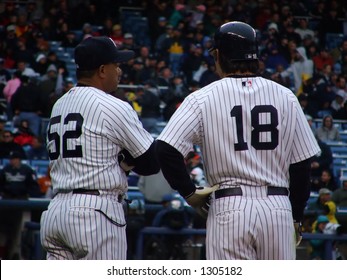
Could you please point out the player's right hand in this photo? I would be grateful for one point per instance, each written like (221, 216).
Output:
(199, 199)
(298, 233)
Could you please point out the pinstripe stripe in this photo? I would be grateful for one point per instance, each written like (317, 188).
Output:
(204, 119)
(109, 125)
(252, 226)
(71, 228)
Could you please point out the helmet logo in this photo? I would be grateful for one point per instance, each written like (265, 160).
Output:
(250, 56)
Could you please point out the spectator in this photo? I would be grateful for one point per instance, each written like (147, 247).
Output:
(23, 53)
(159, 45)
(106, 28)
(117, 34)
(25, 70)
(2, 128)
(274, 57)
(11, 39)
(37, 149)
(307, 105)
(45, 184)
(174, 96)
(301, 65)
(322, 58)
(322, 225)
(154, 188)
(327, 180)
(41, 64)
(26, 104)
(324, 205)
(149, 101)
(195, 167)
(321, 161)
(210, 75)
(150, 68)
(23, 135)
(129, 43)
(290, 32)
(52, 58)
(87, 31)
(303, 29)
(50, 89)
(338, 51)
(327, 131)
(323, 89)
(340, 84)
(158, 29)
(8, 146)
(193, 64)
(177, 15)
(175, 48)
(18, 180)
(340, 195)
(337, 106)
(10, 88)
(329, 23)
(70, 40)
(5, 75)
(41, 43)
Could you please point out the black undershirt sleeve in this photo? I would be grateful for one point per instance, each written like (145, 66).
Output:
(146, 164)
(299, 186)
(174, 169)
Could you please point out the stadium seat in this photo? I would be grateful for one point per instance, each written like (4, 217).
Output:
(41, 166)
(333, 40)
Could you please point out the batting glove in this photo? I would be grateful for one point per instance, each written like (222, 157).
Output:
(200, 198)
(298, 233)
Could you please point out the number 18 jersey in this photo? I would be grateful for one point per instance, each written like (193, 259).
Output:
(249, 129)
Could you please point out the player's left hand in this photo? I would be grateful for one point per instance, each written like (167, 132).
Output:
(199, 199)
(298, 233)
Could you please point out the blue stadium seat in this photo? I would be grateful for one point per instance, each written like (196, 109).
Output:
(41, 166)
(333, 40)
(338, 147)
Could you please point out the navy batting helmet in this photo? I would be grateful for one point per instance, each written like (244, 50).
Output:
(237, 41)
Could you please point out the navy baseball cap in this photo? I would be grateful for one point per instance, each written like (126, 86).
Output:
(93, 52)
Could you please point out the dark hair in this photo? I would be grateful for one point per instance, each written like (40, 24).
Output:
(242, 66)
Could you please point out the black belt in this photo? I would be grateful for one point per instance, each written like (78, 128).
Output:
(85, 191)
(91, 192)
(238, 192)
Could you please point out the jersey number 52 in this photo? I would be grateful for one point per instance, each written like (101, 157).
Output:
(62, 140)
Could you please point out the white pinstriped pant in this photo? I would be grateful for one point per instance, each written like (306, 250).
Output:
(253, 226)
(74, 228)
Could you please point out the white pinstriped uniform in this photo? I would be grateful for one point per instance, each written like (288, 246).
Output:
(249, 130)
(88, 128)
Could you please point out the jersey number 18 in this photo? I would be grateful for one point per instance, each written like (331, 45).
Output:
(258, 128)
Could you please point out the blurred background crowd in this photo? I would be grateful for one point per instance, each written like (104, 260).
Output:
(302, 45)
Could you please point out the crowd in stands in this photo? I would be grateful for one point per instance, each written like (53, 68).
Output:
(302, 45)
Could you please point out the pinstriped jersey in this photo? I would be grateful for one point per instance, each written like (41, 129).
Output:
(87, 130)
(249, 129)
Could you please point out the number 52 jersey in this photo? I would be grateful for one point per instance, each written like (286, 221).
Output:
(87, 130)
(249, 130)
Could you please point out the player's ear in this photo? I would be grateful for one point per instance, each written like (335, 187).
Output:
(102, 71)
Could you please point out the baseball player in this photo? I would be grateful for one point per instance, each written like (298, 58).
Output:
(87, 131)
(256, 147)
